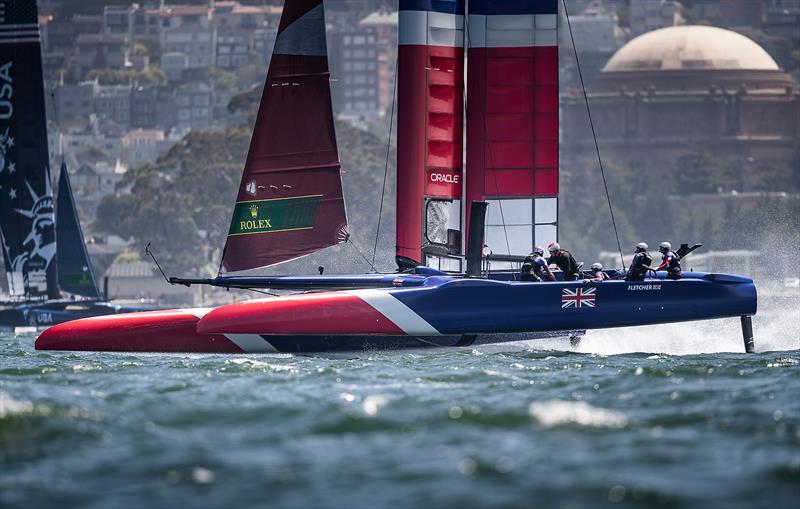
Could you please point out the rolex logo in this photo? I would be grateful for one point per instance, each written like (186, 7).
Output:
(254, 211)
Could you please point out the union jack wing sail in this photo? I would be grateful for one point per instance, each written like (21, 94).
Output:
(512, 121)
(429, 132)
(290, 200)
(26, 196)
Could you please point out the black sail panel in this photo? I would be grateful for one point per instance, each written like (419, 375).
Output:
(26, 197)
(75, 274)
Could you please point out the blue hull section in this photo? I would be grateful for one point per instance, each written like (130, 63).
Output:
(49, 313)
(474, 306)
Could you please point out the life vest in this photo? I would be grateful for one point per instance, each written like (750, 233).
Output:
(674, 262)
(674, 267)
(641, 262)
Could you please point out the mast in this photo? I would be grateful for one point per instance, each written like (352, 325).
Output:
(75, 274)
(430, 89)
(26, 196)
(512, 121)
(290, 200)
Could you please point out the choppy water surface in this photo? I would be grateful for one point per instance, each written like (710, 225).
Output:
(693, 423)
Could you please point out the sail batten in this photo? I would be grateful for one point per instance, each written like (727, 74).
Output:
(290, 201)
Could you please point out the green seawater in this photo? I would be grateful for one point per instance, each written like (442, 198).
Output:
(689, 423)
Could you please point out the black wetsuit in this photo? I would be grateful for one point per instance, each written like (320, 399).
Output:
(639, 267)
(564, 261)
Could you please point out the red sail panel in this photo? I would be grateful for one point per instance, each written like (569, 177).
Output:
(290, 200)
(512, 120)
(429, 126)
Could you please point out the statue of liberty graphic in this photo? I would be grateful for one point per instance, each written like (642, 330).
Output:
(39, 246)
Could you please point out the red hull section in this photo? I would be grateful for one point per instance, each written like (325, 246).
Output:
(153, 331)
(334, 313)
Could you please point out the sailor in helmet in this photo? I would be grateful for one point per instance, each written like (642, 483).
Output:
(597, 275)
(535, 268)
(640, 264)
(670, 261)
(563, 260)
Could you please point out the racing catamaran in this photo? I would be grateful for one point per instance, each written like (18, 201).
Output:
(44, 253)
(290, 203)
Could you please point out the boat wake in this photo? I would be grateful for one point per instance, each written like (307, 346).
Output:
(776, 329)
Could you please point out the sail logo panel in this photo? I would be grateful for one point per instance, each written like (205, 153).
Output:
(27, 218)
(290, 201)
(512, 120)
(272, 216)
(429, 129)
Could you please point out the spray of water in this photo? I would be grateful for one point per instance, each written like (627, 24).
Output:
(775, 328)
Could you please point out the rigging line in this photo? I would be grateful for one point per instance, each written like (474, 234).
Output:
(594, 135)
(386, 166)
(350, 242)
(491, 158)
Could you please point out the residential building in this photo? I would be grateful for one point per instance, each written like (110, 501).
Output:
(138, 281)
(74, 101)
(384, 25)
(194, 106)
(153, 106)
(233, 49)
(173, 64)
(649, 15)
(144, 146)
(354, 69)
(264, 42)
(596, 29)
(187, 29)
(782, 19)
(99, 51)
(113, 102)
(739, 14)
(118, 20)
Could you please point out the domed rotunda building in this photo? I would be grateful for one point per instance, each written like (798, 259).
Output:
(682, 90)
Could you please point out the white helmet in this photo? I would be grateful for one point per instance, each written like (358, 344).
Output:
(553, 246)
(537, 250)
(597, 266)
(665, 245)
(641, 246)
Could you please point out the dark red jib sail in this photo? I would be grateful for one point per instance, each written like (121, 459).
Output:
(290, 200)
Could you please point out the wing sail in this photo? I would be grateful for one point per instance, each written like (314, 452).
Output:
(290, 200)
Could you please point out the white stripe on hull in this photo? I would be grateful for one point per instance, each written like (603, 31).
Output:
(252, 343)
(397, 312)
(426, 28)
(517, 31)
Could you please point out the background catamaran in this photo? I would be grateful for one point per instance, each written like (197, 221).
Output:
(290, 204)
(44, 253)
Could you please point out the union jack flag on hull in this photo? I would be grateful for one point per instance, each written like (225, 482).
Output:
(579, 297)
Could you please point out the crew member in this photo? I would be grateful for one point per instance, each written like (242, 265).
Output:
(640, 264)
(597, 274)
(670, 261)
(563, 260)
(535, 268)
